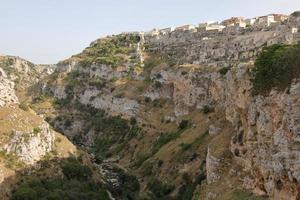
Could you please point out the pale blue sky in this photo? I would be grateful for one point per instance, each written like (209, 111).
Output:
(46, 31)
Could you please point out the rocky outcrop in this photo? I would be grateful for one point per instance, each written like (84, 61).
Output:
(212, 168)
(7, 92)
(114, 105)
(31, 147)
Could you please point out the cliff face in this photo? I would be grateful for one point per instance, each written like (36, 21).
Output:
(7, 92)
(183, 68)
(176, 110)
(25, 138)
(266, 127)
(31, 147)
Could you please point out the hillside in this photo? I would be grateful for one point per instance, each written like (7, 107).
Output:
(179, 115)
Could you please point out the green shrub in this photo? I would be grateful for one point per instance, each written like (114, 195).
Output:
(186, 192)
(129, 185)
(183, 124)
(199, 140)
(160, 163)
(24, 106)
(25, 193)
(224, 70)
(163, 139)
(54, 188)
(141, 158)
(296, 14)
(157, 84)
(74, 170)
(37, 130)
(158, 188)
(275, 68)
(39, 98)
(147, 168)
(147, 99)
(207, 109)
(133, 121)
(185, 146)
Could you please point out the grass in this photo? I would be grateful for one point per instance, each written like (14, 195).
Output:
(185, 146)
(110, 50)
(243, 195)
(201, 139)
(11, 160)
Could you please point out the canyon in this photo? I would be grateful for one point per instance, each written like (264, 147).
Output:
(167, 116)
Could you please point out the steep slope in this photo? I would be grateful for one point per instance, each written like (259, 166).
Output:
(31, 152)
(178, 111)
(184, 115)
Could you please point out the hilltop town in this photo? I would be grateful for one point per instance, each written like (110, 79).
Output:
(228, 24)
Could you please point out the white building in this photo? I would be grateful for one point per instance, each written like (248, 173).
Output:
(153, 32)
(212, 27)
(234, 21)
(265, 20)
(204, 25)
(166, 30)
(185, 28)
(250, 22)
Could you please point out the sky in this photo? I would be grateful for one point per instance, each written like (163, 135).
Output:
(46, 31)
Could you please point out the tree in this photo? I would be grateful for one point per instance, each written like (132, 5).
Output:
(296, 14)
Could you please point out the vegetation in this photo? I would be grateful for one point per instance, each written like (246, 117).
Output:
(75, 185)
(24, 106)
(112, 132)
(185, 146)
(74, 169)
(159, 189)
(199, 140)
(207, 109)
(129, 186)
(109, 50)
(37, 130)
(276, 67)
(165, 138)
(11, 160)
(296, 14)
(183, 124)
(242, 195)
(224, 70)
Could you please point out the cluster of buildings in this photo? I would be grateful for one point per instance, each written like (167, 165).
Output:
(262, 21)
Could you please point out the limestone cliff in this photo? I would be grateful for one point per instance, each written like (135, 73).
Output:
(176, 110)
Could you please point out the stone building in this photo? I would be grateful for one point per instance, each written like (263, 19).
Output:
(185, 28)
(250, 22)
(280, 17)
(212, 27)
(265, 20)
(234, 21)
(153, 32)
(166, 30)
